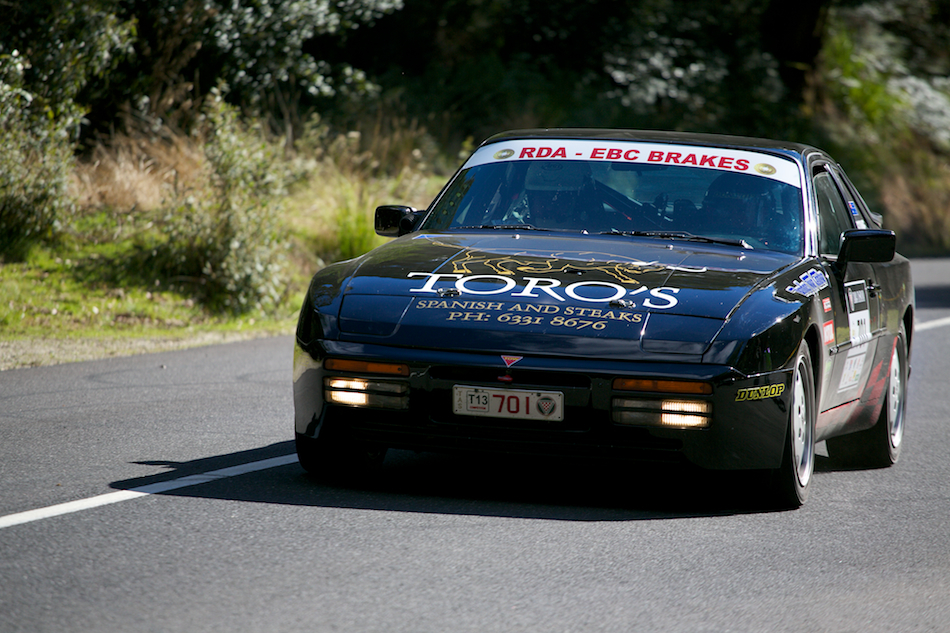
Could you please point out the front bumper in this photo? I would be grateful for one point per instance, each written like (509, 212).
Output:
(746, 429)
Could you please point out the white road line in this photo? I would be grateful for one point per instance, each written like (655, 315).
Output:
(134, 493)
(929, 325)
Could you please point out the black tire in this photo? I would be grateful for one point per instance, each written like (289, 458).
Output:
(333, 456)
(309, 454)
(880, 445)
(791, 482)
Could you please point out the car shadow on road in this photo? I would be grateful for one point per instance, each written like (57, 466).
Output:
(554, 489)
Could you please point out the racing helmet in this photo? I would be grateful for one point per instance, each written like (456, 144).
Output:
(554, 188)
(741, 202)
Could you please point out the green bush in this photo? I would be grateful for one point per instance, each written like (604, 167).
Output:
(35, 162)
(224, 239)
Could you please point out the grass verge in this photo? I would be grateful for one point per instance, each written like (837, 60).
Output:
(53, 312)
(94, 292)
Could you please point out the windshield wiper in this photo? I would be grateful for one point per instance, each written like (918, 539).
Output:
(682, 235)
(511, 227)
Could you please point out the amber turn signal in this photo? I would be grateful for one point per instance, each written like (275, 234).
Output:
(366, 367)
(689, 387)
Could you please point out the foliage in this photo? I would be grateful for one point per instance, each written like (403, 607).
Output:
(35, 164)
(342, 178)
(48, 52)
(225, 240)
(184, 48)
(857, 79)
(451, 71)
(148, 63)
(887, 118)
(64, 45)
(262, 43)
(705, 69)
(487, 65)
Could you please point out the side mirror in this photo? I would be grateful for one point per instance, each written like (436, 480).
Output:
(395, 220)
(867, 245)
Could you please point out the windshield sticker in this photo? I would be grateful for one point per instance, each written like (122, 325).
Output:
(809, 283)
(717, 158)
(858, 220)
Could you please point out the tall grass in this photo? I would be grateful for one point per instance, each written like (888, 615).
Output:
(345, 176)
(240, 221)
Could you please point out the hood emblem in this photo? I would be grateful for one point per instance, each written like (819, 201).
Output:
(510, 360)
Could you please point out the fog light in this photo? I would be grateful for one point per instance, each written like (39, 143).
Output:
(365, 392)
(680, 414)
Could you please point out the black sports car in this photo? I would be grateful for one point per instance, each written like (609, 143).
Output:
(717, 300)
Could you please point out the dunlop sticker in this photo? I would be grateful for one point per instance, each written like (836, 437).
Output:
(760, 393)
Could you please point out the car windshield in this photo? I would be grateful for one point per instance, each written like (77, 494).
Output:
(749, 199)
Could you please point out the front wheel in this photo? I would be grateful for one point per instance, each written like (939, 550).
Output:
(337, 457)
(793, 478)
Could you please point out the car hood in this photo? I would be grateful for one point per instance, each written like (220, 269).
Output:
(595, 296)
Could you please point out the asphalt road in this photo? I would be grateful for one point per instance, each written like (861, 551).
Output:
(185, 510)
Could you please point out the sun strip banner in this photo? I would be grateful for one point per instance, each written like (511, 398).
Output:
(700, 157)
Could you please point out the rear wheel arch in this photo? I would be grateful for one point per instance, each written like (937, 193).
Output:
(908, 322)
(880, 445)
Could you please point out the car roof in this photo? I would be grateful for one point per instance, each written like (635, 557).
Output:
(799, 150)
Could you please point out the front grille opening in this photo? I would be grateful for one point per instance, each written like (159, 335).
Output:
(566, 380)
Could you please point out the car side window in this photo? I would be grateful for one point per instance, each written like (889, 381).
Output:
(833, 215)
(870, 219)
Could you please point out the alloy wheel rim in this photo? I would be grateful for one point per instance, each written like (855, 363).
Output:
(895, 402)
(802, 448)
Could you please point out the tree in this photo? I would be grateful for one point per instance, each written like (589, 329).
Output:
(48, 53)
(480, 65)
(186, 48)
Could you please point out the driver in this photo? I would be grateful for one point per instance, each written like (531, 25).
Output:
(740, 204)
(555, 193)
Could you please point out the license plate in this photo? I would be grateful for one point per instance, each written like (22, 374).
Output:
(516, 404)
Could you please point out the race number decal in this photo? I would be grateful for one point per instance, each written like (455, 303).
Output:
(859, 316)
(853, 366)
